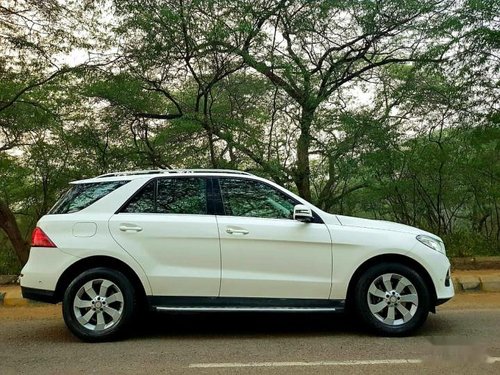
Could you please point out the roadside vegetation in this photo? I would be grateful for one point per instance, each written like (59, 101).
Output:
(382, 109)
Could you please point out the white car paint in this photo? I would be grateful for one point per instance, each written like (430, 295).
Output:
(274, 258)
(179, 253)
(182, 255)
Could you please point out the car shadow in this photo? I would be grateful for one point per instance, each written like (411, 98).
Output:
(216, 325)
(255, 324)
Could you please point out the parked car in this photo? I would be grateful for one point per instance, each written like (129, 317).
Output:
(221, 240)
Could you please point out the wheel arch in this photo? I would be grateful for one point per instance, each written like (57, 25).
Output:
(98, 261)
(393, 258)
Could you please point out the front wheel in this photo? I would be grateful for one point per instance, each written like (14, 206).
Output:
(392, 299)
(99, 304)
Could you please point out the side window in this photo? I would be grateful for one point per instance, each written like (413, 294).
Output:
(243, 197)
(144, 201)
(80, 196)
(182, 196)
(173, 196)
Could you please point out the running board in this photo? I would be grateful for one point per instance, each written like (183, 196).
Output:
(247, 309)
(177, 303)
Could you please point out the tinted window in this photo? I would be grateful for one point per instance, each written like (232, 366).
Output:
(144, 201)
(242, 197)
(173, 196)
(182, 196)
(81, 196)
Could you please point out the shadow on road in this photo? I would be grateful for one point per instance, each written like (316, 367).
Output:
(206, 326)
(216, 325)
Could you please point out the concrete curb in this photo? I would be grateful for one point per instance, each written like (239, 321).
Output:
(16, 301)
(11, 296)
(474, 283)
(8, 279)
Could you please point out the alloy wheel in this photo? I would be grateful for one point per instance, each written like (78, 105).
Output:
(392, 299)
(98, 304)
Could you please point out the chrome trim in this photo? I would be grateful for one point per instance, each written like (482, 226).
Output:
(259, 309)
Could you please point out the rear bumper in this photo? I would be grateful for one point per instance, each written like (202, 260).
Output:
(40, 295)
(44, 268)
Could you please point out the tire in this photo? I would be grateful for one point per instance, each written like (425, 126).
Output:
(392, 299)
(99, 305)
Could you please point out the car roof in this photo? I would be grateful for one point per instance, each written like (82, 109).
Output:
(151, 173)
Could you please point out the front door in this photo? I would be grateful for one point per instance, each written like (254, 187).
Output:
(265, 253)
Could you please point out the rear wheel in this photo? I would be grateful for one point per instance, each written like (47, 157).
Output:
(392, 299)
(99, 304)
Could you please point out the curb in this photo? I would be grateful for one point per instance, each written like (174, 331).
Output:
(14, 298)
(16, 301)
(8, 279)
(471, 283)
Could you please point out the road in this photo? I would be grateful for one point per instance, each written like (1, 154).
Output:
(463, 338)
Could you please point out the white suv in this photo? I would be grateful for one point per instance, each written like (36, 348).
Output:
(221, 240)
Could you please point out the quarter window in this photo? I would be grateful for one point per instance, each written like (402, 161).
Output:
(243, 197)
(80, 196)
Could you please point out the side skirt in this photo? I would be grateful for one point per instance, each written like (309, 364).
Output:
(231, 304)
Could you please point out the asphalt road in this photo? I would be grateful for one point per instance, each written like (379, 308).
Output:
(463, 338)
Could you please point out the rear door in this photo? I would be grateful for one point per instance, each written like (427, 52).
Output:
(168, 229)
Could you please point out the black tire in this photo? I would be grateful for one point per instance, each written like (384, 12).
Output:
(399, 327)
(126, 307)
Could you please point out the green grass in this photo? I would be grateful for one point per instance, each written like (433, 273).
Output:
(9, 265)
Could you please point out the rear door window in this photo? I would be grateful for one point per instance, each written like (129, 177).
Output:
(80, 196)
(186, 196)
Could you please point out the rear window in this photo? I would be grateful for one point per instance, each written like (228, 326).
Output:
(81, 196)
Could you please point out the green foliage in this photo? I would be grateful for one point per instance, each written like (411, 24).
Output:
(9, 264)
(385, 109)
(123, 90)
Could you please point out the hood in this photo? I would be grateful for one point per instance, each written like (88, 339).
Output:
(381, 225)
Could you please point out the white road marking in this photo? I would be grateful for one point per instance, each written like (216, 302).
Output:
(492, 359)
(319, 363)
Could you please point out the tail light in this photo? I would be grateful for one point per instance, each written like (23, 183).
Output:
(40, 239)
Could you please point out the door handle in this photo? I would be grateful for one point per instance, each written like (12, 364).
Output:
(130, 228)
(237, 231)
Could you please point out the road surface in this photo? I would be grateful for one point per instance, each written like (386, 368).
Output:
(463, 338)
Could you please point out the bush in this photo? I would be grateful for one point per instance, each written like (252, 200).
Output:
(467, 244)
(9, 264)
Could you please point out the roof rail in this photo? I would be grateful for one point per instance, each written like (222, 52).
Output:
(170, 171)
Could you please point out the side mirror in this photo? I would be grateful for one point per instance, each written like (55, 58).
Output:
(302, 213)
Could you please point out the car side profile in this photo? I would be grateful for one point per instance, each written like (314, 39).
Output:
(222, 240)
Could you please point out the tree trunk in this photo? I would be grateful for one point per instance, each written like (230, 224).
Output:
(9, 225)
(302, 175)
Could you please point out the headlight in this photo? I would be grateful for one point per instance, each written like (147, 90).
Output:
(432, 243)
